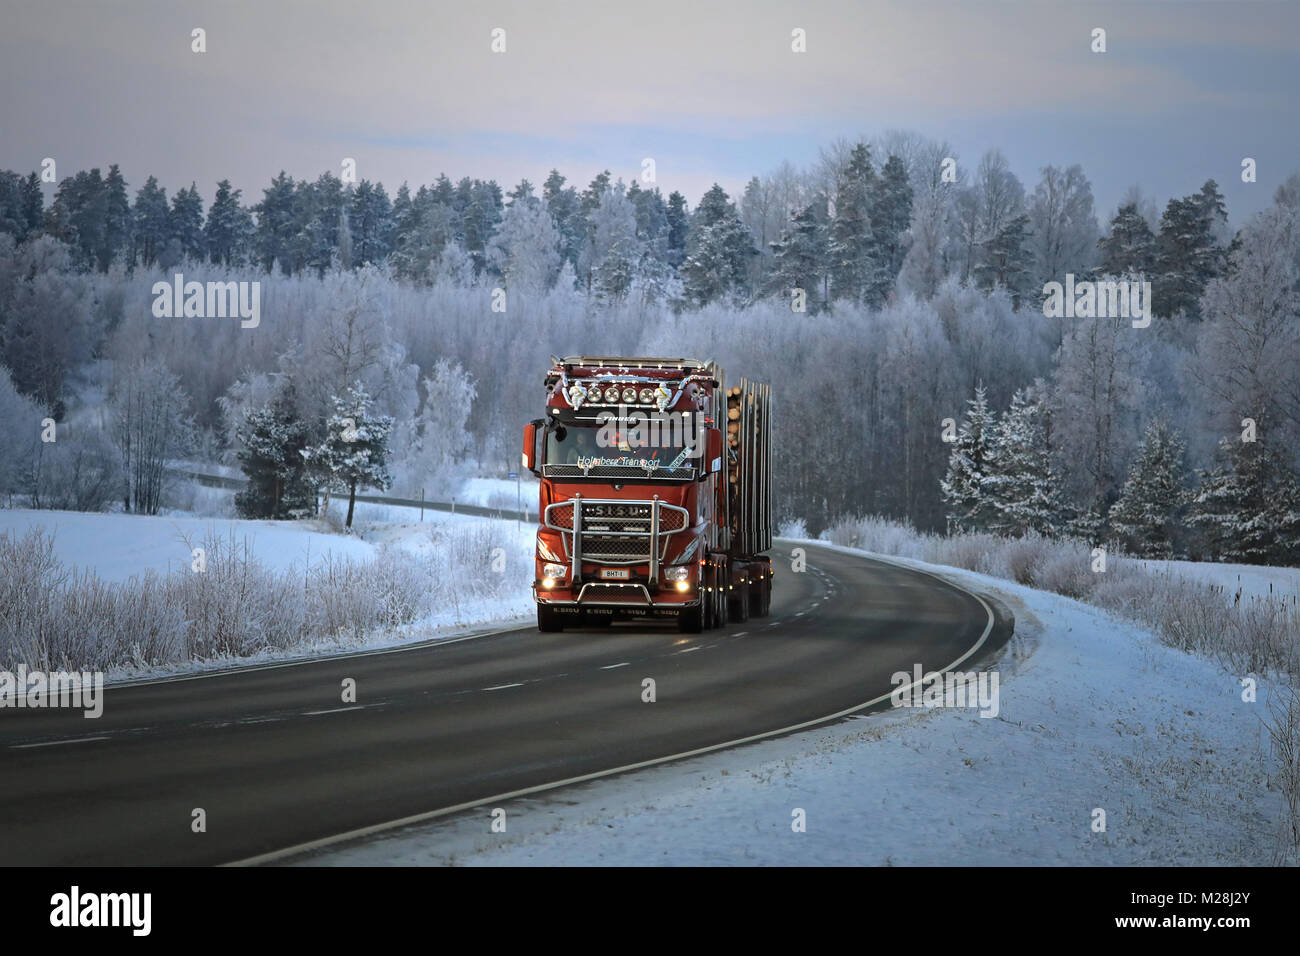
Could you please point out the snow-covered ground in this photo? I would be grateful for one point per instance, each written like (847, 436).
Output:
(115, 547)
(1095, 714)
(1252, 580)
(499, 492)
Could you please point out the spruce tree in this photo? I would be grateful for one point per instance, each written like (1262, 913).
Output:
(1146, 514)
(274, 439)
(855, 264)
(355, 452)
(1248, 505)
(963, 487)
(1021, 487)
(891, 216)
(799, 256)
(187, 222)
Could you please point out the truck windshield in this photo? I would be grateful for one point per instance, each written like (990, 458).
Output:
(587, 451)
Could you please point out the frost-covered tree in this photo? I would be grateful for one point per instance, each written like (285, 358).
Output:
(1021, 486)
(963, 487)
(1062, 225)
(718, 251)
(1248, 505)
(355, 451)
(274, 438)
(442, 440)
(1248, 355)
(151, 426)
(1147, 512)
(1097, 400)
(526, 249)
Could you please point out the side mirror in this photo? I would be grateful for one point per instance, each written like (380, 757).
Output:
(713, 460)
(534, 435)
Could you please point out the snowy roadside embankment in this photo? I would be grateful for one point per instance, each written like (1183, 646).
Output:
(1096, 713)
(130, 596)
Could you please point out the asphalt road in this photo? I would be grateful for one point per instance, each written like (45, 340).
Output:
(276, 760)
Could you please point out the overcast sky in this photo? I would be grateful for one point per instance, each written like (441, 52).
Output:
(710, 90)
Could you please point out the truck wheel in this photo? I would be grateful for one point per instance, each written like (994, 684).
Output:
(756, 599)
(767, 598)
(691, 620)
(548, 620)
(738, 606)
(710, 609)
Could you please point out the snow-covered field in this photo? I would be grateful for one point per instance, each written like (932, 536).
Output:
(117, 547)
(1252, 580)
(1095, 714)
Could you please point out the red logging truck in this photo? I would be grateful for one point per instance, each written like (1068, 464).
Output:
(655, 495)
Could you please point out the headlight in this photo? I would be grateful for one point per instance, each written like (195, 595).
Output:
(611, 394)
(682, 573)
(554, 570)
(647, 396)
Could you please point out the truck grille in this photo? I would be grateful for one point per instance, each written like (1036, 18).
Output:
(615, 532)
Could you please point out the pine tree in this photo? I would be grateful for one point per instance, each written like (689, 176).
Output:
(1021, 486)
(275, 223)
(370, 218)
(151, 221)
(1004, 259)
(355, 452)
(1131, 246)
(1187, 254)
(963, 487)
(117, 219)
(1249, 505)
(1147, 512)
(229, 228)
(274, 439)
(187, 222)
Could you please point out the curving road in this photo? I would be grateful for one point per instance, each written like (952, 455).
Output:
(280, 765)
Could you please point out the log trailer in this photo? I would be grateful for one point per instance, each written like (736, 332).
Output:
(655, 494)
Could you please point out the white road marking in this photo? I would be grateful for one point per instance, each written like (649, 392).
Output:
(740, 634)
(503, 686)
(686, 650)
(610, 667)
(55, 743)
(335, 710)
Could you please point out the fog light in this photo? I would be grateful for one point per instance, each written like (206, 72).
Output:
(683, 585)
(548, 582)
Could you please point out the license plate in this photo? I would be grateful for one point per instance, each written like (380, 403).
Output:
(615, 574)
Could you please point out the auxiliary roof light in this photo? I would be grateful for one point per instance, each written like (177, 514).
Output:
(647, 396)
(611, 394)
(629, 395)
(593, 393)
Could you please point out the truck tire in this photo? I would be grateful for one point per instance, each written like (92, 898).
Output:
(756, 599)
(690, 620)
(738, 605)
(548, 620)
